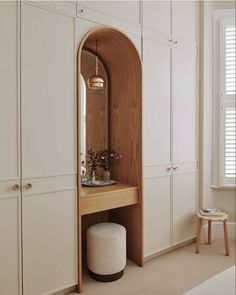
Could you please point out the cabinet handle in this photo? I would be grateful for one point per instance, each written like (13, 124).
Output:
(175, 42)
(174, 168)
(81, 10)
(170, 40)
(168, 169)
(28, 186)
(15, 187)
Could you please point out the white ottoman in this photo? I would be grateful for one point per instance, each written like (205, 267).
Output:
(106, 251)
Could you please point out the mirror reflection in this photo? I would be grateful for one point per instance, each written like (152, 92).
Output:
(94, 108)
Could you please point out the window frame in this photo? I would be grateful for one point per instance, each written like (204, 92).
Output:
(220, 100)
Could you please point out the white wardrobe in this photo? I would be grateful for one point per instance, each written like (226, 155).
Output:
(38, 132)
(38, 201)
(170, 123)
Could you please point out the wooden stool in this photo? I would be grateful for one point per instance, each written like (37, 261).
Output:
(222, 218)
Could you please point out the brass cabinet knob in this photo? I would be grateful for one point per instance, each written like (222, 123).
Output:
(81, 10)
(28, 186)
(15, 187)
(176, 42)
(168, 169)
(170, 40)
(174, 168)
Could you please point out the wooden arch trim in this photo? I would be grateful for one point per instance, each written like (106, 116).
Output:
(123, 64)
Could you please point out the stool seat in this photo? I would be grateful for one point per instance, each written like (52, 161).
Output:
(106, 251)
(211, 219)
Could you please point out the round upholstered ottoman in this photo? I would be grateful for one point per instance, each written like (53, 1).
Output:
(106, 251)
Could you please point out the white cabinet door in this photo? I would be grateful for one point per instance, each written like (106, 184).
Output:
(184, 206)
(48, 151)
(169, 123)
(10, 280)
(9, 92)
(157, 218)
(10, 231)
(184, 106)
(157, 16)
(184, 20)
(156, 81)
(184, 144)
(48, 93)
(49, 241)
(128, 11)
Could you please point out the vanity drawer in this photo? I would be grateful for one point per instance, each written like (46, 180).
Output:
(99, 199)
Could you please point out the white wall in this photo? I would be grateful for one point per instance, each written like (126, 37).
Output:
(223, 199)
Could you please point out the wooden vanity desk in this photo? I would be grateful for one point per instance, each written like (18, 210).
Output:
(96, 199)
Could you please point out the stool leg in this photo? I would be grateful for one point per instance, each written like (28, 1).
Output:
(199, 225)
(226, 238)
(209, 232)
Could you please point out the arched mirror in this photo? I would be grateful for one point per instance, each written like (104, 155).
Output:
(111, 126)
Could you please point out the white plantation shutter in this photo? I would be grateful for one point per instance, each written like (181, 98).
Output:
(227, 112)
(229, 59)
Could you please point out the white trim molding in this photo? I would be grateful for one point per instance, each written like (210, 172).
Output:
(221, 101)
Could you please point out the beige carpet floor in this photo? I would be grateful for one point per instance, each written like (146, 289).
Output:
(170, 274)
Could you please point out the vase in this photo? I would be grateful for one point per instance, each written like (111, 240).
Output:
(93, 176)
(107, 176)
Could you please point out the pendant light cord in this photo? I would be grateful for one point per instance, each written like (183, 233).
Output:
(96, 61)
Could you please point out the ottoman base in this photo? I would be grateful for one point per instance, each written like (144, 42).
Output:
(106, 278)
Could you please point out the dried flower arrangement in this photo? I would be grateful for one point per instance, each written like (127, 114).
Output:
(103, 159)
(108, 158)
(93, 160)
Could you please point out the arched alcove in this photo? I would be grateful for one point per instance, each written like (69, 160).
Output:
(121, 203)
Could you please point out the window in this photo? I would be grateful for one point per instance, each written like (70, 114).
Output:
(226, 101)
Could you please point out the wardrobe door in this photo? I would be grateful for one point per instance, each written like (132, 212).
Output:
(48, 151)
(157, 16)
(10, 231)
(156, 82)
(128, 11)
(184, 106)
(184, 206)
(184, 144)
(184, 20)
(157, 225)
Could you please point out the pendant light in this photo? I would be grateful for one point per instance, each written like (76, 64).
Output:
(96, 81)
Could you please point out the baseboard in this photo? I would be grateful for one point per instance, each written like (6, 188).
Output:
(170, 249)
(218, 232)
(66, 291)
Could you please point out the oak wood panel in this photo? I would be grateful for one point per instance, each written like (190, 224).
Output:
(131, 219)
